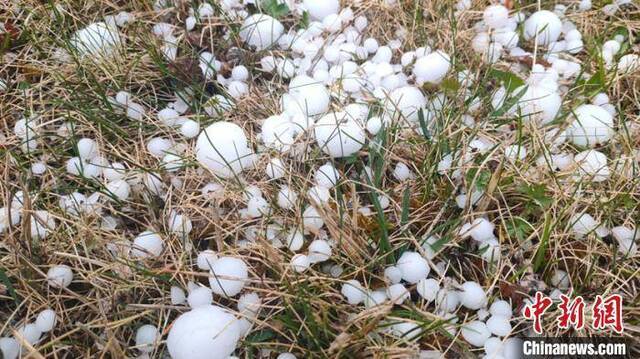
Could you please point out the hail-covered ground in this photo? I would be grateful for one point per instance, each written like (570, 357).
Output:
(312, 178)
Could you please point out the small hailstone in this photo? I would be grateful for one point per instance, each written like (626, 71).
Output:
(560, 279)
(38, 168)
(97, 39)
(59, 276)
(490, 250)
(447, 300)
(480, 230)
(610, 9)
(338, 135)
(375, 298)
(249, 305)
(240, 73)
(30, 333)
(428, 289)
(432, 68)
(158, 146)
(147, 244)
(146, 338)
(501, 307)
(406, 102)
(474, 197)
(495, 16)
(203, 332)
(300, 262)
(275, 168)
(190, 23)
(200, 296)
(413, 267)
(353, 291)
(119, 189)
(584, 5)
(206, 259)
(600, 99)
(499, 325)
(177, 296)
(515, 152)
(9, 348)
(190, 129)
(473, 296)
(543, 25)
(135, 111)
(626, 238)
(294, 240)
(475, 333)
(87, 149)
(223, 149)
(397, 293)
(402, 172)
(374, 125)
(228, 276)
(286, 356)
(592, 125)
(261, 31)
(179, 223)
(312, 220)
(393, 274)
(319, 251)
(114, 171)
(429, 246)
(46, 320)
(205, 10)
(371, 45)
(319, 195)
(153, 183)
(592, 164)
(327, 175)
(286, 197)
(629, 63)
(42, 223)
(319, 10)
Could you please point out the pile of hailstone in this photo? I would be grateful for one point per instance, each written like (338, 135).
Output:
(31, 333)
(333, 73)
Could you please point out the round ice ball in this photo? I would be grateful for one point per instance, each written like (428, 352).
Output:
(592, 125)
(97, 39)
(318, 10)
(228, 276)
(338, 135)
(543, 25)
(222, 148)
(261, 31)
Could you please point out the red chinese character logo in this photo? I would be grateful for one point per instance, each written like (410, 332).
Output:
(536, 309)
(608, 312)
(572, 313)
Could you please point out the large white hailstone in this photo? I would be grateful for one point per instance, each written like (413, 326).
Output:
(560, 279)
(393, 274)
(190, 129)
(200, 296)
(499, 325)
(629, 63)
(447, 300)
(319, 195)
(473, 296)
(327, 175)
(207, 332)
(495, 16)
(294, 240)
(493, 347)
(402, 172)
(278, 133)
(9, 347)
(153, 183)
(413, 267)
(206, 259)
(8, 217)
(59, 276)
(353, 291)
(428, 289)
(501, 307)
(97, 39)
(397, 293)
(158, 146)
(480, 230)
(261, 31)
(146, 338)
(540, 102)
(300, 263)
(42, 223)
(543, 25)
(228, 276)
(119, 189)
(406, 102)
(177, 296)
(592, 164)
(222, 148)
(286, 356)
(147, 244)
(46, 320)
(249, 305)
(318, 10)
(319, 251)
(593, 125)
(312, 220)
(626, 237)
(338, 135)
(432, 68)
(87, 149)
(310, 96)
(475, 333)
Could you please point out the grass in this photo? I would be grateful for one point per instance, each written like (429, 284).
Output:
(111, 296)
